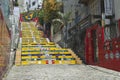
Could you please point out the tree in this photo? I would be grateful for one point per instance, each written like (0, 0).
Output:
(41, 16)
(63, 19)
(51, 9)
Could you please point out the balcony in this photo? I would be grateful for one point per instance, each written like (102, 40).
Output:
(83, 2)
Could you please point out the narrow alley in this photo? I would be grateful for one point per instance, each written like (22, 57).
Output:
(36, 64)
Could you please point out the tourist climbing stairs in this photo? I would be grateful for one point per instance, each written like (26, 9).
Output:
(33, 48)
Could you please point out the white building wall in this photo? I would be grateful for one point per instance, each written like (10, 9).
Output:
(117, 9)
(74, 7)
(37, 2)
(83, 11)
(71, 6)
(33, 7)
(23, 6)
(40, 2)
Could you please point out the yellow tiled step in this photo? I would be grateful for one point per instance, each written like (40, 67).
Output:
(30, 52)
(18, 58)
(48, 62)
(39, 52)
(53, 57)
(35, 47)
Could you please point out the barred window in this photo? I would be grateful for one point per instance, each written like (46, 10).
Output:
(107, 33)
(111, 32)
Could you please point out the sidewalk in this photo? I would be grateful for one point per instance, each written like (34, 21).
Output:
(61, 72)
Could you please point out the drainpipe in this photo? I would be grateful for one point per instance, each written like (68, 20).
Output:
(13, 35)
(102, 19)
(12, 53)
(102, 13)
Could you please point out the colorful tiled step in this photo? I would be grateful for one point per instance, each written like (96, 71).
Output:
(35, 49)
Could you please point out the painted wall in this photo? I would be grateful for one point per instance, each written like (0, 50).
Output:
(4, 45)
(72, 6)
(117, 9)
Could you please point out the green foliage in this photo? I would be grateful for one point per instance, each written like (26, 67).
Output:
(61, 21)
(64, 19)
(41, 16)
(50, 11)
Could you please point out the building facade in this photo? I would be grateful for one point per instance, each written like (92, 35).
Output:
(26, 5)
(102, 12)
(5, 36)
(73, 8)
(90, 12)
(117, 9)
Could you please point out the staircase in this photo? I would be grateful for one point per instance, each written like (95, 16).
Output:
(35, 49)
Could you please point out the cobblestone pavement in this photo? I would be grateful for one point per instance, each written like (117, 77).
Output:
(61, 72)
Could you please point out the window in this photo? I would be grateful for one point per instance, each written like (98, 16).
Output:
(111, 32)
(33, 3)
(107, 33)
